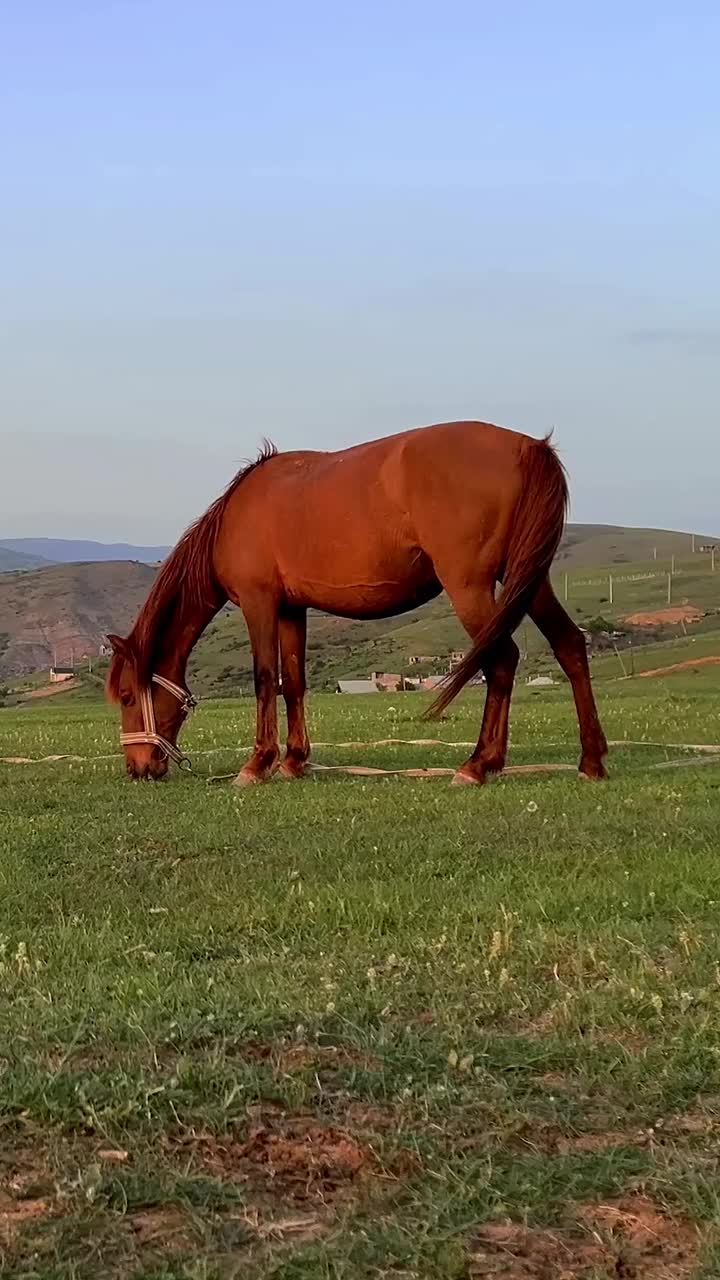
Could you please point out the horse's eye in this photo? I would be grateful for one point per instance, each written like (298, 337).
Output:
(126, 699)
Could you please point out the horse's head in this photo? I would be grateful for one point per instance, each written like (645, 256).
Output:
(152, 713)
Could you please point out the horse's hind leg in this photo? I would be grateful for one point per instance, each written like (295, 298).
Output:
(568, 645)
(293, 634)
(474, 605)
(262, 622)
(490, 754)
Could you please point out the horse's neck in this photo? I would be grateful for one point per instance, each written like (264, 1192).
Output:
(180, 640)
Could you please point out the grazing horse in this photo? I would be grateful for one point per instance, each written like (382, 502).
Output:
(366, 532)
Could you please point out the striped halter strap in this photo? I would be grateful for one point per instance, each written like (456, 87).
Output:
(149, 734)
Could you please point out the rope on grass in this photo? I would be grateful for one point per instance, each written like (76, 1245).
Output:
(365, 771)
(702, 748)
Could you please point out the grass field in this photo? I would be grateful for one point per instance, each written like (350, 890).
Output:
(382, 1029)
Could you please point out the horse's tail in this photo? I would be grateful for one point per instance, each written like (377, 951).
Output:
(534, 539)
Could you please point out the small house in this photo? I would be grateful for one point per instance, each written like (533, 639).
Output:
(59, 674)
(386, 681)
(431, 682)
(356, 686)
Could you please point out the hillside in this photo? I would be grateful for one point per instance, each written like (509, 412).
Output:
(11, 561)
(65, 611)
(606, 544)
(68, 609)
(73, 551)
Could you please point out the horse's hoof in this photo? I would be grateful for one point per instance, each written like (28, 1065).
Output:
(247, 779)
(597, 776)
(292, 772)
(461, 779)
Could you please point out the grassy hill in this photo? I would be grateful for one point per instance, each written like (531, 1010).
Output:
(608, 544)
(71, 607)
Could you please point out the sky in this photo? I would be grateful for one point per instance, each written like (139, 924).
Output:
(325, 222)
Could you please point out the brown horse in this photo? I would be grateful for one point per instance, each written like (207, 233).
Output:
(366, 532)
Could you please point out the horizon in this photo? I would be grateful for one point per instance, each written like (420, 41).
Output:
(8, 543)
(433, 215)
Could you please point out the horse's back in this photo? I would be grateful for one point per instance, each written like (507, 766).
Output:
(453, 449)
(366, 530)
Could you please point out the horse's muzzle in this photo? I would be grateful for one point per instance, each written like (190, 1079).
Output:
(149, 771)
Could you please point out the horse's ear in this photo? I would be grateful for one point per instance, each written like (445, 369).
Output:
(120, 647)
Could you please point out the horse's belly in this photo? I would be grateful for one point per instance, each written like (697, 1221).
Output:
(366, 588)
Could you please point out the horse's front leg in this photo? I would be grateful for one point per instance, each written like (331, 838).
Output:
(261, 616)
(293, 634)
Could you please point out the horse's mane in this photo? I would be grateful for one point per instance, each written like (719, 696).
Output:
(185, 582)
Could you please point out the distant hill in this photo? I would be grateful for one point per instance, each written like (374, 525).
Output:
(608, 544)
(12, 560)
(70, 551)
(68, 609)
(65, 610)
(588, 544)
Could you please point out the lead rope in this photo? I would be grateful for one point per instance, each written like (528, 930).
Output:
(149, 735)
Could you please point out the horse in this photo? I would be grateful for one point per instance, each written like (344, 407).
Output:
(365, 532)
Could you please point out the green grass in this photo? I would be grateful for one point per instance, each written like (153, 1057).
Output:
(332, 1029)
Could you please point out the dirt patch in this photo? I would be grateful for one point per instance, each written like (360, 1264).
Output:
(14, 1214)
(696, 1123)
(50, 690)
(632, 1042)
(509, 1251)
(631, 1238)
(298, 1057)
(680, 666)
(299, 1160)
(528, 1136)
(164, 1225)
(287, 1057)
(601, 1141)
(555, 1080)
(551, 1021)
(371, 1117)
(654, 1244)
(692, 1122)
(673, 615)
(298, 1228)
(25, 1174)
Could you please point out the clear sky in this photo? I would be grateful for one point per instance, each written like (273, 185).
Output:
(325, 222)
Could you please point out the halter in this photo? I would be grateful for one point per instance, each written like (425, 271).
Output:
(149, 734)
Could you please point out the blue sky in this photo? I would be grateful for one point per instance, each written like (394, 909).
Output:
(326, 222)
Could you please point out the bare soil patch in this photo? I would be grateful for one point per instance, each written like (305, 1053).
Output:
(631, 1238)
(672, 615)
(50, 690)
(298, 1159)
(689, 665)
(164, 1226)
(14, 1214)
